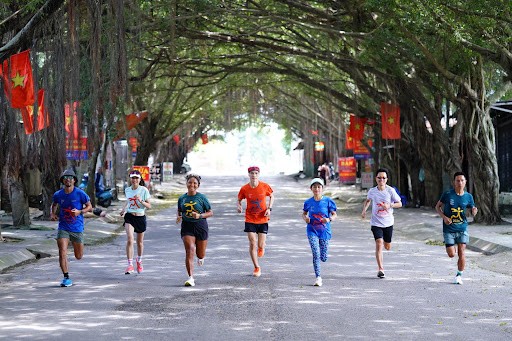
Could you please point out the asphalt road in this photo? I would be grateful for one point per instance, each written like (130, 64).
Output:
(416, 301)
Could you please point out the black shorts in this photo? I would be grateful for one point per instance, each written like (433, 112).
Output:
(138, 222)
(198, 229)
(256, 228)
(383, 232)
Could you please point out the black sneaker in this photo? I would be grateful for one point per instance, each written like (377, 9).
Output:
(380, 274)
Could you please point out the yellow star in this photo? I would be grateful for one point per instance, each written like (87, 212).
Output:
(357, 126)
(391, 120)
(18, 80)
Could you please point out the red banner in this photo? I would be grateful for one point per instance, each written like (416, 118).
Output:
(390, 121)
(144, 172)
(71, 120)
(204, 138)
(347, 169)
(27, 113)
(357, 127)
(18, 82)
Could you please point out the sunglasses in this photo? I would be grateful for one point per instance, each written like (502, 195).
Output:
(67, 177)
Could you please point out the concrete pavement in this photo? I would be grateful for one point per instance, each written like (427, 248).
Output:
(38, 240)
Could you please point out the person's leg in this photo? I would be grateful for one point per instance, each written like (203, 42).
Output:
(461, 263)
(63, 243)
(262, 238)
(140, 244)
(78, 248)
(253, 248)
(201, 248)
(315, 250)
(324, 249)
(129, 242)
(379, 243)
(189, 242)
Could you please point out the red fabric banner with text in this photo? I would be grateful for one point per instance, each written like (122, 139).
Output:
(390, 121)
(18, 82)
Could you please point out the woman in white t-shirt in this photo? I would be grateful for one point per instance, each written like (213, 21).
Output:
(137, 201)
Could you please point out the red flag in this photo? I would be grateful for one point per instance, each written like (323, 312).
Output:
(390, 121)
(176, 139)
(356, 127)
(314, 132)
(27, 114)
(349, 141)
(204, 138)
(133, 119)
(71, 123)
(18, 82)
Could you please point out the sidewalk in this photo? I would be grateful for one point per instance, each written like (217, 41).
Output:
(423, 224)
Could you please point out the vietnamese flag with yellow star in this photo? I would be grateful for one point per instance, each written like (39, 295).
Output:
(27, 113)
(18, 82)
(390, 121)
(356, 130)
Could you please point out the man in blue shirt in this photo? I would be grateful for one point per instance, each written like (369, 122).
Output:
(73, 203)
(452, 208)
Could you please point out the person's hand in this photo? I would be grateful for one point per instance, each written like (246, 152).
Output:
(196, 215)
(447, 221)
(121, 213)
(239, 208)
(53, 216)
(76, 212)
(363, 215)
(178, 219)
(474, 211)
(306, 219)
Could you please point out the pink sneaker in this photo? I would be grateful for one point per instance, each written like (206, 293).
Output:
(129, 270)
(140, 268)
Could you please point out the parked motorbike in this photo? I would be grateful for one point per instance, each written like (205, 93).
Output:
(103, 197)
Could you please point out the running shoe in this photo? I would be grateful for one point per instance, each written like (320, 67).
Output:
(129, 270)
(381, 274)
(261, 252)
(458, 279)
(257, 272)
(200, 261)
(140, 268)
(318, 282)
(190, 282)
(66, 282)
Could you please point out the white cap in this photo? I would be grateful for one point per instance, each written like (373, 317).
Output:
(316, 181)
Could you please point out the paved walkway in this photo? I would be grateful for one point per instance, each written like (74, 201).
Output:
(38, 240)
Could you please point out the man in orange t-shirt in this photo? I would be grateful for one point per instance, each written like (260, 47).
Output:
(257, 214)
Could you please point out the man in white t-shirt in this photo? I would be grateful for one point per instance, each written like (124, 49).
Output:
(384, 199)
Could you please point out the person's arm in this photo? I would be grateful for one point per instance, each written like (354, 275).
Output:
(334, 215)
(439, 210)
(365, 207)
(305, 217)
(53, 211)
(239, 206)
(270, 204)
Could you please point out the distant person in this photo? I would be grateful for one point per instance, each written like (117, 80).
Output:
(193, 209)
(318, 212)
(331, 171)
(384, 199)
(134, 213)
(257, 214)
(452, 208)
(324, 173)
(73, 203)
(99, 181)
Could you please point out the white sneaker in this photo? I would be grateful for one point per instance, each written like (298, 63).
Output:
(190, 282)
(200, 261)
(318, 282)
(458, 279)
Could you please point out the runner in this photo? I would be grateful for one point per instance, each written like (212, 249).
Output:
(384, 199)
(73, 203)
(193, 209)
(257, 214)
(452, 208)
(137, 201)
(318, 212)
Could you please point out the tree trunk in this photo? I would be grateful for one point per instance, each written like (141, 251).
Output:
(19, 203)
